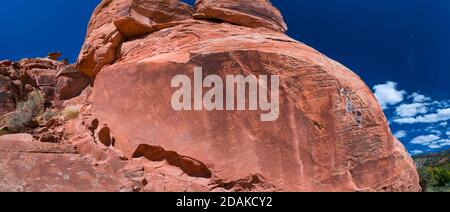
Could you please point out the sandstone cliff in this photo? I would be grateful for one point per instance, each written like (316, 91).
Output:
(331, 134)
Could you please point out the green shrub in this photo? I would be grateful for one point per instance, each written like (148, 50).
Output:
(440, 176)
(425, 178)
(25, 113)
(435, 179)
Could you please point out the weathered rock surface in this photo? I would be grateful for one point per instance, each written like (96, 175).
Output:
(28, 165)
(70, 83)
(7, 102)
(331, 134)
(54, 55)
(18, 79)
(257, 13)
(114, 21)
(56, 80)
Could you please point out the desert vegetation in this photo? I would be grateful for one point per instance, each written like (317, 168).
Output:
(24, 117)
(434, 172)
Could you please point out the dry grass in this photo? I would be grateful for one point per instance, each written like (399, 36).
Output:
(70, 112)
(48, 114)
(26, 112)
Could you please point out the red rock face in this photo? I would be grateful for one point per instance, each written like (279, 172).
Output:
(70, 83)
(7, 103)
(27, 165)
(17, 79)
(115, 21)
(331, 134)
(257, 13)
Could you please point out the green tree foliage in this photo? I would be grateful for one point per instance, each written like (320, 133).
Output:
(435, 179)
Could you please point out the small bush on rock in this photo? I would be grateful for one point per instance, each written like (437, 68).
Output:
(70, 112)
(26, 112)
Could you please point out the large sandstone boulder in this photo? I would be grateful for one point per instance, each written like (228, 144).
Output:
(256, 13)
(115, 21)
(331, 134)
(123, 133)
(70, 83)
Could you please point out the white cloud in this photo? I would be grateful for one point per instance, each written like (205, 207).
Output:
(440, 115)
(405, 120)
(419, 98)
(434, 146)
(439, 144)
(442, 103)
(410, 110)
(436, 132)
(425, 139)
(433, 116)
(428, 129)
(445, 142)
(416, 152)
(400, 134)
(387, 94)
(431, 141)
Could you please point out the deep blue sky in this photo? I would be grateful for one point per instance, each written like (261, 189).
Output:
(404, 41)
